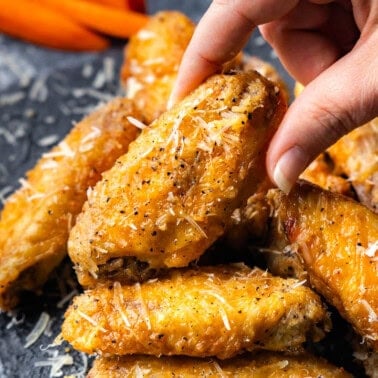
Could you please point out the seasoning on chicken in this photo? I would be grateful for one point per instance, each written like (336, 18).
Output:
(37, 219)
(260, 365)
(356, 154)
(172, 195)
(324, 173)
(210, 311)
(336, 240)
(264, 68)
(152, 58)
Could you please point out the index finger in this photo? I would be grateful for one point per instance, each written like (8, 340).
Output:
(222, 32)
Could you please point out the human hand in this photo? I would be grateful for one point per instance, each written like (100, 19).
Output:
(328, 45)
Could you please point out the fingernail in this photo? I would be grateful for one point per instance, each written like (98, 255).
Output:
(172, 100)
(291, 164)
(170, 103)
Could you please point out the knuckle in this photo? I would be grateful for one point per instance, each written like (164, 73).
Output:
(238, 8)
(334, 120)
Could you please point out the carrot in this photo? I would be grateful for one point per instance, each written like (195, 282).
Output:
(107, 20)
(136, 5)
(35, 23)
(112, 3)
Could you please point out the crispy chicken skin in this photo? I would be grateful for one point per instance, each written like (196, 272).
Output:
(250, 62)
(260, 365)
(172, 195)
(336, 238)
(209, 311)
(36, 220)
(324, 173)
(356, 154)
(152, 58)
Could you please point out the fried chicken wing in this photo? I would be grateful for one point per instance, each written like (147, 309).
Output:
(209, 311)
(356, 154)
(152, 58)
(336, 239)
(324, 173)
(250, 62)
(172, 195)
(36, 219)
(351, 162)
(261, 365)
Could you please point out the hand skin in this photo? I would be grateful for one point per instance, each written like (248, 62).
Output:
(330, 46)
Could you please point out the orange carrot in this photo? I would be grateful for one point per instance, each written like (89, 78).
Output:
(107, 20)
(35, 23)
(112, 3)
(136, 5)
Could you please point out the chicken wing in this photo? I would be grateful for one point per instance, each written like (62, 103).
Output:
(261, 365)
(351, 162)
(209, 311)
(152, 58)
(172, 195)
(356, 154)
(250, 62)
(336, 239)
(36, 219)
(324, 173)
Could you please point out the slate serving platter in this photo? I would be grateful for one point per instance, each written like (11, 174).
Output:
(42, 93)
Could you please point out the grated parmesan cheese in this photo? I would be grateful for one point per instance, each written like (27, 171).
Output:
(87, 70)
(222, 311)
(66, 298)
(39, 91)
(64, 151)
(144, 34)
(9, 137)
(7, 190)
(120, 303)
(218, 369)
(14, 321)
(192, 222)
(55, 362)
(136, 123)
(11, 99)
(372, 315)
(90, 320)
(38, 330)
(48, 140)
(99, 80)
(85, 143)
(132, 87)
(372, 249)
(299, 283)
(153, 61)
(80, 92)
(143, 306)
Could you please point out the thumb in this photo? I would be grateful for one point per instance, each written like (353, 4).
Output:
(341, 98)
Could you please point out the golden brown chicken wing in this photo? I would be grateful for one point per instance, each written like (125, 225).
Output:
(152, 58)
(36, 220)
(250, 62)
(324, 173)
(336, 238)
(356, 154)
(351, 164)
(260, 365)
(209, 311)
(172, 195)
